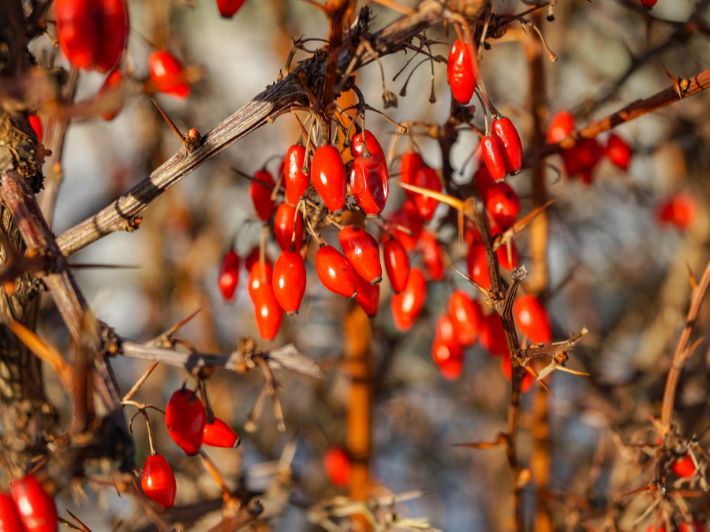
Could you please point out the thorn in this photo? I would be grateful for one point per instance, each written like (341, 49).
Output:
(191, 140)
(428, 193)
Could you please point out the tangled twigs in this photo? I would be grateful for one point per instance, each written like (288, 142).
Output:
(682, 352)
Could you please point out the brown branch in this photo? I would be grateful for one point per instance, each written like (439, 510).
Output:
(682, 353)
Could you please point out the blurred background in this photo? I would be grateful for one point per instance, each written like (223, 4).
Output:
(613, 268)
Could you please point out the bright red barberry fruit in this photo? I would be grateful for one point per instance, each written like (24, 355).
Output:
(288, 227)
(492, 151)
(267, 311)
(532, 320)
(296, 181)
(648, 4)
(504, 129)
(477, 266)
(408, 304)
(36, 125)
(336, 463)
(446, 352)
(335, 272)
(219, 434)
(396, 263)
(482, 179)
(10, 520)
(92, 33)
(260, 190)
(508, 257)
(561, 126)
(492, 336)
(408, 217)
(684, 466)
(185, 420)
(229, 8)
(328, 175)
(111, 85)
(409, 163)
(363, 140)
(361, 249)
(432, 255)
(466, 317)
(618, 151)
(260, 274)
(36, 508)
(502, 204)
(426, 177)
(507, 369)
(167, 74)
(289, 281)
(462, 71)
(158, 480)
(369, 183)
(229, 275)
(368, 296)
(678, 210)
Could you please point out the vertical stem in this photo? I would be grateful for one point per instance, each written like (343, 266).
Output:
(540, 458)
(358, 361)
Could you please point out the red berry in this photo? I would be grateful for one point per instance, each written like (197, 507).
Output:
(466, 317)
(502, 204)
(618, 151)
(296, 181)
(9, 516)
(366, 139)
(260, 274)
(167, 74)
(508, 256)
(336, 463)
(492, 151)
(648, 4)
(260, 190)
(328, 175)
(407, 217)
(492, 336)
(504, 129)
(684, 466)
(267, 312)
(369, 183)
(407, 305)
(482, 180)
(229, 275)
(229, 8)
(532, 319)
(185, 420)
(678, 210)
(335, 272)
(92, 33)
(368, 296)
(409, 164)
(36, 508)
(447, 353)
(288, 227)
(36, 125)
(462, 71)
(219, 434)
(361, 249)
(289, 281)
(158, 480)
(426, 178)
(396, 263)
(432, 255)
(477, 266)
(111, 85)
(507, 368)
(561, 126)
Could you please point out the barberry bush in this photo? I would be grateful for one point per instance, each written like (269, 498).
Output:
(354, 265)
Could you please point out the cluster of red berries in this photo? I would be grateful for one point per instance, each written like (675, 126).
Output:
(27, 508)
(188, 426)
(583, 157)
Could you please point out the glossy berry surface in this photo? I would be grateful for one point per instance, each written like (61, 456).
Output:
(678, 210)
(167, 74)
(532, 320)
(229, 275)
(492, 336)
(363, 140)
(336, 463)
(684, 466)
(260, 190)
(407, 217)
(504, 129)
(9, 514)
(185, 420)
(328, 176)
(296, 181)
(368, 296)
(446, 352)
(502, 204)
(229, 8)
(267, 312)
(618, 151)
(219, 434)
(408, 304)
(466, 317)
(288, 227)
(369, 183)
(432, 255)
(35, 506)
(396, 262)
(289, 281)
(409, 164)
(335, 272)
(477, 266)
(462, 71)
(492, 155)
(362, 251)
(561, 125)
(158, 481)
(426, 178)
